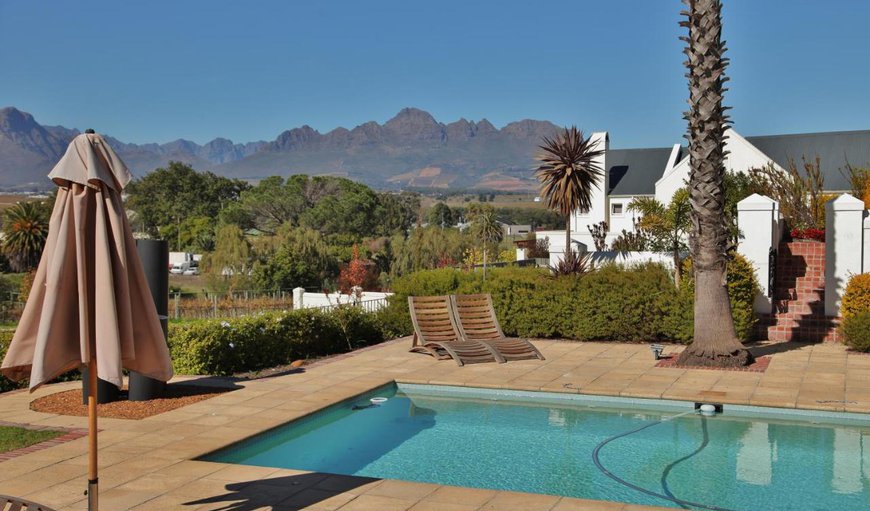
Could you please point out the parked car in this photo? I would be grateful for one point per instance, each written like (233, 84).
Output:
(180, 268)
(191, 271)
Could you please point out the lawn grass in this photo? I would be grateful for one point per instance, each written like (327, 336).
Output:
(12, 438)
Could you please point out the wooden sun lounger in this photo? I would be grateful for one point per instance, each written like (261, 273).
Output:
(436, 333)
(477, 322)
(15, 504)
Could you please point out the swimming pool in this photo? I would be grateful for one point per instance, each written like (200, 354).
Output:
(626, 450)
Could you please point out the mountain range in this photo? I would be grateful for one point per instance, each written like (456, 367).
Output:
(411, 150)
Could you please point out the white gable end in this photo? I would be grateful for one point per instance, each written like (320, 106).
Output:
(741, 157)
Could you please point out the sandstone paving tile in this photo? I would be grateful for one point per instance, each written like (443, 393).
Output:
(427, 505)
(569, 504)
(60, 495)
(513, 501)
(239, 473)
(403, 489)
(377, 503)
(164, 503)
(458, 495)
(18, 466)
(317, 500)
(349, 484)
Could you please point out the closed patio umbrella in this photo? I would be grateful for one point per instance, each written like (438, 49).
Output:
(90, 304)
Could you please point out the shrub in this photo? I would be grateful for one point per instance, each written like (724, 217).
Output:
(808, 234)
(742, 288)
(856, 298)
(856, 331)
(223, 347)
(612, 303)
(5, 339)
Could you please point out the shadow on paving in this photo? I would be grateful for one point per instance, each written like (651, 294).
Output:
(763, 350)
(285, 493)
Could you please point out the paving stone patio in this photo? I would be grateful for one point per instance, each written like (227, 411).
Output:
(147, 464)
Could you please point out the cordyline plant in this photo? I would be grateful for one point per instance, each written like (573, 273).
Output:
(715, 340)
(569, 173)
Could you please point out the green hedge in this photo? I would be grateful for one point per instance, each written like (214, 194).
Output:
(856, 330)
(5, 339)
(613, 303)
(224, 347)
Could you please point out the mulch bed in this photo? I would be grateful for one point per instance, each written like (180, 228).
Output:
(177, 395)
(759, 366)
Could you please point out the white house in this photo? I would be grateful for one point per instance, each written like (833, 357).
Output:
(659, 172)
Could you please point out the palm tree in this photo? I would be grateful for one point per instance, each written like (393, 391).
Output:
(485, 227)
(715, 340)
(665, 226)
(568, 172)
(25, 227)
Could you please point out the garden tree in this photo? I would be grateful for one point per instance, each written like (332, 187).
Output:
(665, 228)
(427, 248)
(272, 203)
(715, 340)
(302, 259)
(195, 234)
(397, 212)
(568, 172)
(800, 195)
(358, 272)
(25, 228)
(599, 235)
(631, 241)
(171, 195)
(485, 228)
(339, 205)
(228, 266)
(859, 182)
(440, 215)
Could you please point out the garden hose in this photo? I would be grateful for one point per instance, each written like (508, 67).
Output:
(685, 504)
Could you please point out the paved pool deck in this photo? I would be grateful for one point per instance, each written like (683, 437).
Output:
(148, 464)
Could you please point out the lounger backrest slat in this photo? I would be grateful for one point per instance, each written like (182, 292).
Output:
(476, 317)
(433, 319)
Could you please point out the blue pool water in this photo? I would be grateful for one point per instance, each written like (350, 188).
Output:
(544, 443)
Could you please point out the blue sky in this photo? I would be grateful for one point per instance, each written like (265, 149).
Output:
(160, 70)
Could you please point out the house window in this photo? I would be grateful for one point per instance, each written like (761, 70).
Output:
(616, 208)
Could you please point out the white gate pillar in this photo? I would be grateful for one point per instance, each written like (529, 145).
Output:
(758, 222)
(844, 232)
(298, 297)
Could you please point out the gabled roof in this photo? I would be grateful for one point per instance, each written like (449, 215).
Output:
(635, 171)
(834, 149)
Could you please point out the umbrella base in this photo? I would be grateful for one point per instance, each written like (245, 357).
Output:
(106, 392)
(143, 388)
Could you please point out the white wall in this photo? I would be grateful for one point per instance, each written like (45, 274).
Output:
(625, 220)
(315, 300)
(598, 212)
(742, 157)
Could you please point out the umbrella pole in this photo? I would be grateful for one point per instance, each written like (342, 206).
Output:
(93, 494)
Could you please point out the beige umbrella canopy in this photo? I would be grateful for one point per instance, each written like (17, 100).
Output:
(90, 303)
(89, 296)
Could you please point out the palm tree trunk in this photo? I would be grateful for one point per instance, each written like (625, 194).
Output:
(484, 262)
(567, 234)
(715, 341)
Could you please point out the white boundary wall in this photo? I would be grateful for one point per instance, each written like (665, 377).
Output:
(758, 220)
(846, 247)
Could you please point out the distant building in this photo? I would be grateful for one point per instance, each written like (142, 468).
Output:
(511, 230)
